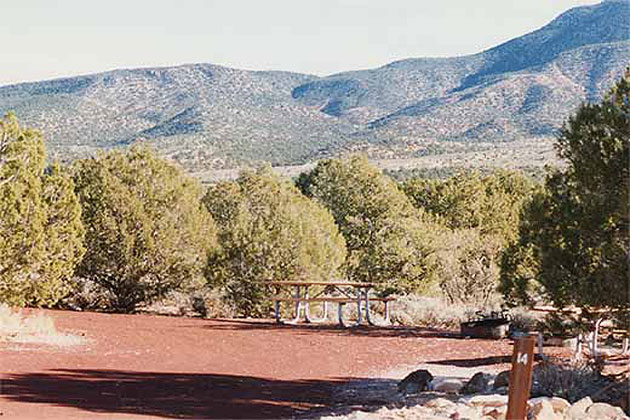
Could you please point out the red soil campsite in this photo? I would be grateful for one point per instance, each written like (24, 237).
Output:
(139, 366)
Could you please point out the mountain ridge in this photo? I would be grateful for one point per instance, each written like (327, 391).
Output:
(211, 116)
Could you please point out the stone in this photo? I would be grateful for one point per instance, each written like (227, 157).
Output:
(448, 385)
(559, 405)
(477, 384)
(578, 409)
(541, 409)
(465, 412)
(496, 413)
(440, 404)
(603, 411)
(415, 382)
(502, 380)
(501, 390)
(493, 400)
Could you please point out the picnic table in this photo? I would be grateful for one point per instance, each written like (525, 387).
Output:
(602, 322)
(340, 293)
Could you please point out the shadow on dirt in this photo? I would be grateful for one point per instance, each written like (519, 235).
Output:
(475, 362)
(334, 329)
(188, 395)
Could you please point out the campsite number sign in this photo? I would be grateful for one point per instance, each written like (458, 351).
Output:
(520, 378)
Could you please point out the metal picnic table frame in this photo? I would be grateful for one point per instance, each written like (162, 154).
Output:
(350, 292)
(591, 339)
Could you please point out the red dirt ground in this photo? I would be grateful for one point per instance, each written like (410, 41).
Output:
(139, 366)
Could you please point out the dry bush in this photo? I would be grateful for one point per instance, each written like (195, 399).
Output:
(86, 295)
(437, 312)
(523, 319)
(569, 380)
(201, 302)
(467, 267)
(36, 329)
(430, 312)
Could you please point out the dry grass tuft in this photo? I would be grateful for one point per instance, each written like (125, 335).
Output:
(34, 329)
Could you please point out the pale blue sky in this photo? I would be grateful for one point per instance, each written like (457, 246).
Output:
(43, 39)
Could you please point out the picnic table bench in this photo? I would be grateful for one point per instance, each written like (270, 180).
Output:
(601, 323)
(340, 293)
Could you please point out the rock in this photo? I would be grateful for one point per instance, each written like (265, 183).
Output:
(603, 411)
(578, 409)
(560, 405)
(501, 390)
(415, 382)
(448, 385)
(465, 412)
(496, 413)
(440, 404)
(541, 409)
(493, 400)
(477, 384)
(502, 380)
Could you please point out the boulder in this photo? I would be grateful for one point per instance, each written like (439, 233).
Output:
(415, 382)
(502, 380)
(493, 400)
(447, 385)
(442, 406)
(541, 409)
(477, 384)
(559, 405)
(464, 411)
(578, 409)
(603, 411)
(495, 413)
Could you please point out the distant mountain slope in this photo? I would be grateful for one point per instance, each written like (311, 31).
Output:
(212, 116)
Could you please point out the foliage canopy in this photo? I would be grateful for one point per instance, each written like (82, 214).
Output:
(575, 240)
(492, 203)
(388, 240)
(40, 226)
(146, 230)
(268, 231)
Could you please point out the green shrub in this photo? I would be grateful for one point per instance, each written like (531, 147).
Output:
(388, 240)
(146, 230)
(40, 228)
(269, 231)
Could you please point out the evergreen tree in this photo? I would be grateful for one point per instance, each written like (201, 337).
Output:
(492, 204)
(40, 226)
(269, 231)
(577, 230)
(146, 230)
(388, 240)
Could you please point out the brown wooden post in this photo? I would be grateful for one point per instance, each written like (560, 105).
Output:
(520, 378)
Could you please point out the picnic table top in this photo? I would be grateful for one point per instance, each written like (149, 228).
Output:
(318, 283)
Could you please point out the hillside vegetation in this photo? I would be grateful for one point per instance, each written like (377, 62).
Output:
(125, 229)
(209, 117)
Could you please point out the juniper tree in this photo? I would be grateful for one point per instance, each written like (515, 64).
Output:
(40, 222)
(388, 240)
(146, 230)
(577, 230)
(269, 231)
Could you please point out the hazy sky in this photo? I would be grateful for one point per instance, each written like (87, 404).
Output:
(43, 39)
